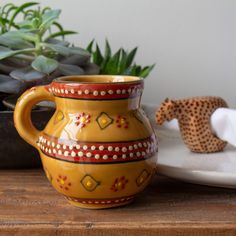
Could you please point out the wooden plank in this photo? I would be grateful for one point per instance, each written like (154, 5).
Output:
(30, 206)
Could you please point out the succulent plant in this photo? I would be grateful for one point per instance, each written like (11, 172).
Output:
(31, 54)
(119, 63)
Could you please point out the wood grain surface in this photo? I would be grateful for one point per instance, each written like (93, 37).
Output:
(30, 206)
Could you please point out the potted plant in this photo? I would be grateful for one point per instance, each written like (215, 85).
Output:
(32, 53)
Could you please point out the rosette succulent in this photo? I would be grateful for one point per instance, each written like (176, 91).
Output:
(30, 51)
(119, 63)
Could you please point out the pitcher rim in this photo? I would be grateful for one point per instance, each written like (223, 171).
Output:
(68, 79)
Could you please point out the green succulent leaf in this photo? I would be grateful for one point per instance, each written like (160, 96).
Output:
(146, 71)
(57, 41)
(127, 71)
(137, 70)
(60, 49)
(12, 40)
(45, 9)
(113, 64)
(27, 74)
(76, 60)
(79, 51)
(3, 21)
(31, 24)
(6, 9)
(90, 46)
(3, 24)
(44, 64)
(26, 35)
(130, 57)
(26, 24)
(66, 69)
(48, 18)
(4, 49)
(35, 22)
(62, 33)
(10, 53)
(66, 51)
(29, 13)
(5, 69)
(10, 85)
(21, 9)
(15, 62)
(131, 71)
(58, 25)
(107, 50)
(116, 57)
(106, 58)
(97, 57)
(122, 63)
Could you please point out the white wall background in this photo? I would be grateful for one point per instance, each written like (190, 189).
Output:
(192, 42)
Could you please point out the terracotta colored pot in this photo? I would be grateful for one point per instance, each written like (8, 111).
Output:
(98, 149)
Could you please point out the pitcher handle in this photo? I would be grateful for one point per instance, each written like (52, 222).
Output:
(22, 113)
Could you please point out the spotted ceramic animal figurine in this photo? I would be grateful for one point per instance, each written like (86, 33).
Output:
(193, 116)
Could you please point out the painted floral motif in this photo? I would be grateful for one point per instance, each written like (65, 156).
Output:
(82, 119)
(119, 184)
(63, 182)
(122, 122)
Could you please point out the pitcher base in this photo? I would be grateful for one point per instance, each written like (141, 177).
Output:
(101, 203)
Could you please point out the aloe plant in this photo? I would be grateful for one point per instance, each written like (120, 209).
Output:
(30, 51)
(119, 63)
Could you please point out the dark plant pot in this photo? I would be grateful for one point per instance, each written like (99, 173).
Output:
(14, 151)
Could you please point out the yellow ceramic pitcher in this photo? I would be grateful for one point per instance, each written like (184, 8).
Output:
(98, 149)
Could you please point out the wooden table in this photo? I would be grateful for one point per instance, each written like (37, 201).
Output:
(30, 206)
